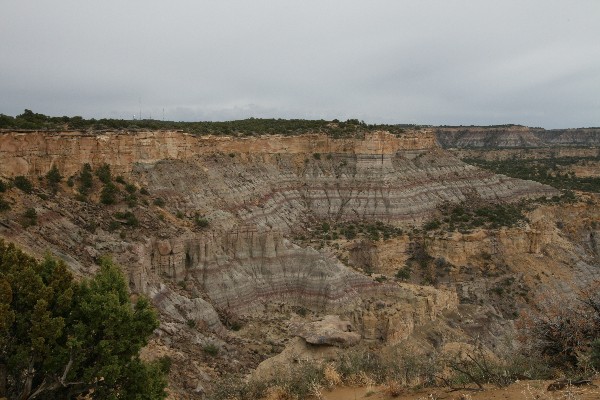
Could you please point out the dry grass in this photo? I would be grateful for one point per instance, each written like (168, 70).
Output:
(278, 393)
(360, 379)
(393, 388)
(540, 392)
(331, 376)
(431, 396)
(316, 390)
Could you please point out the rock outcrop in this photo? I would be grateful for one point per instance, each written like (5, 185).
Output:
(272, 181)
(278, 190)
(515, 136)
(250, 270)
(34, 153)
(393, 314)
(329, 331)
(255, 193)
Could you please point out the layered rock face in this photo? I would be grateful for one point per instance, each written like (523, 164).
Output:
(515, 136)
(250, 270)
(34, 153)
(255, 192)
(527, 154)
(256, 197)
(393, 315)
(279, 190)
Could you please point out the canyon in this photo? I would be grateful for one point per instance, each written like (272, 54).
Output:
(264, 282)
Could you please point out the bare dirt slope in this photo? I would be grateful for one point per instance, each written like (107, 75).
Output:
(522, 390)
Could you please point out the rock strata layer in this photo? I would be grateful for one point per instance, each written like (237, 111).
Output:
(258, 192)
(250, 270)
(515, 136)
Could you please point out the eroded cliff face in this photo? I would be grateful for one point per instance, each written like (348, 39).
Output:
(279, 190)
(272, 181)
(34, 153)
(254, 192)
(554, 254)
(527, 154)
(515, 136)
(249, 270)
(257, 195)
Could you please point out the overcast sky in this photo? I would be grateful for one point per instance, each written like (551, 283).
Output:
(532, 62)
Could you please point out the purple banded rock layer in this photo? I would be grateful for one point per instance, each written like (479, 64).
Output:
(251, 270)
(280, 191)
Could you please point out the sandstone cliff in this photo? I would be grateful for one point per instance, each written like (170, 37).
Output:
(254, 192)
(34, 153)
(257, 194)
(515, 136)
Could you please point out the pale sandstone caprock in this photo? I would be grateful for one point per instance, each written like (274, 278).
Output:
(34, 153)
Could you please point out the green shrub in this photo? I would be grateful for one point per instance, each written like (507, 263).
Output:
(432, 225)
(113, 226)
(86, 181)
(131, 200)
(404, 273)
(23, 184)
(419, 254)
(465, 217)
(29, 217)
(103, 173)
(129, 188)
(595, 354)
(128, 218)
(109, 192)
(159, 202)
(53, 323)
(201, 222)
(54, 177)
(3, 186)
(4, 206)
(246, 127)
(349, 232)
(547, 171)
(210, 348)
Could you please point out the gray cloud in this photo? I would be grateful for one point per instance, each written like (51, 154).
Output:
(533, 62)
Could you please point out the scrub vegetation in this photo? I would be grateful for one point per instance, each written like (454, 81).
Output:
(550, 171)
(247, 127)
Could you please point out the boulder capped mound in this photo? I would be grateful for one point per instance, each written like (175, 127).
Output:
(331, 331)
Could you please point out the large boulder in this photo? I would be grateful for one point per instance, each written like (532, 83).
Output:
(330, 331)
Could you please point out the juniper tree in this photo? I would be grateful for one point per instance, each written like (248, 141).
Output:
(53, 177)
(63, 339)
